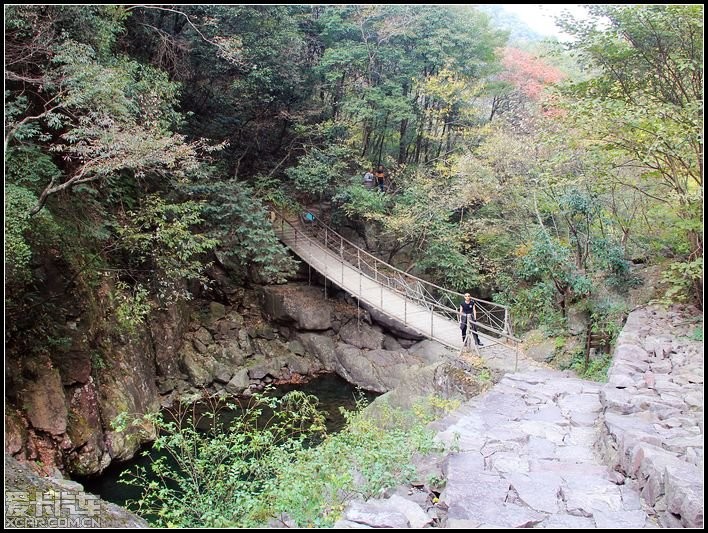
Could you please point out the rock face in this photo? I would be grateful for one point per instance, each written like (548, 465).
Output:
(63, 405)
(65, 401)
(167, 330)
(127, 385)
(299, 304)
(43, 399)
(77, 507)
(653, 427)
(85, 431)
(440, 378)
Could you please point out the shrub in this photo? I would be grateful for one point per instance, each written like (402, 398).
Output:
(275, 459)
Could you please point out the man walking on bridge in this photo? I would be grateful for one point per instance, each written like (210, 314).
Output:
(468, 315)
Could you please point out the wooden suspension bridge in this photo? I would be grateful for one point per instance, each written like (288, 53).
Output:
(427, 308)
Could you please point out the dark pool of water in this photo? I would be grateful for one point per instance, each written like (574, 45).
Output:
(332, 391)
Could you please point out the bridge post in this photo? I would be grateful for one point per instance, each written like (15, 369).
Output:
(431, 322)
(358, 260)
(405, 308)
(309, 263)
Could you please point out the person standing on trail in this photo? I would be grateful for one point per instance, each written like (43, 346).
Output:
(369, 179)
(468, 315)
(380, 176)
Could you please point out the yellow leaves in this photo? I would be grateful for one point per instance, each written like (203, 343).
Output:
(522, 250)
(447, 89)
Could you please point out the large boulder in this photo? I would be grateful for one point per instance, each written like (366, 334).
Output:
(239, 382)
(228, 326)
(361, 335)
(201, 367)
(92, 511)
(322, 347)
(127, 385)
(167, 327)
(301, 304)
(397, 327)
(443, 379)
(375, 370)
(89, 454)
(431, 351)
(42, 398)
(542, 351)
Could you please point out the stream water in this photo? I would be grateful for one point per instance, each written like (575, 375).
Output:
(332, 391)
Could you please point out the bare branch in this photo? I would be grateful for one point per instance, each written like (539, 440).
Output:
(227, 53)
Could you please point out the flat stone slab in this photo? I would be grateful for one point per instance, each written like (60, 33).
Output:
(500, 515)
(537, 462)
(567, 521)
(620, 519)
(482, 489)
(586, 495)
(372, 516)
(540, 491)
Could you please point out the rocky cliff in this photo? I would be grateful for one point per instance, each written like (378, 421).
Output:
(62, 402)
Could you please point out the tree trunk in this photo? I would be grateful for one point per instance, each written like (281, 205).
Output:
(367, 136)
(402, 141)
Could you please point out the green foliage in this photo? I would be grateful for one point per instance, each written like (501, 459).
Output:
(240, 224)
(320, 169)
(18, 202)
(597, 367)
(358, 201)
(610, 257)
(269, 190)
(532, 306)
(131, 306)
(419, 216)
(607, 317)
(645, 103)
(405, 77)
(274, 458)
(484, 375)
(160, 237)
(368, 456)
(97, 361)
(697, 334)
(681, 278)
(30, 167)
(549, 259)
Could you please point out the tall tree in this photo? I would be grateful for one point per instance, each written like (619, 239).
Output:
(646, 102)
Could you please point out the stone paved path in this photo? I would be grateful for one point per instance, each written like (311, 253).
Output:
(527, 459)
(534, 450)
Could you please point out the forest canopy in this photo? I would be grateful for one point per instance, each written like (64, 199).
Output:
(144, 143)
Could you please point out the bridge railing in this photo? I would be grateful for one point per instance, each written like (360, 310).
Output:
(492, 318)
